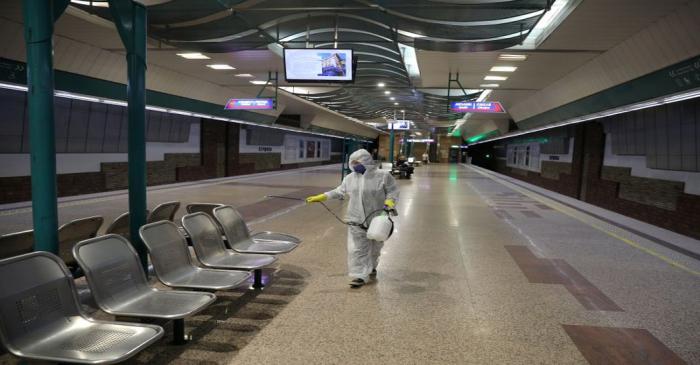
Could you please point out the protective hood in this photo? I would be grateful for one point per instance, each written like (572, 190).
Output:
(363, 157)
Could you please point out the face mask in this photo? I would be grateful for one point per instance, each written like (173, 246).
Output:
(359, 168)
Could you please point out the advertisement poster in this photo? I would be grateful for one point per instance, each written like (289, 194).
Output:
(310, 149)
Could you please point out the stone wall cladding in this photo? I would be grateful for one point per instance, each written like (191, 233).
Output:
(659, 202)
(552, 169)
(219, 157)
(663, 194)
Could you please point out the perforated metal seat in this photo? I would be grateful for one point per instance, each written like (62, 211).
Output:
(202, 207)
(211, 251)
(165, 211)
(240, 239)
(73, 232)
(119, 285)
(207, 208)
(120, 225)
(42, 320)
(210, 248)
(173, 264)
(17, 243)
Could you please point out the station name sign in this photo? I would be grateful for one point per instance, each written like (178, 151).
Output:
(249, 104)
(477, 107)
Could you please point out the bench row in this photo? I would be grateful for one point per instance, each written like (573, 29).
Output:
(39, 307)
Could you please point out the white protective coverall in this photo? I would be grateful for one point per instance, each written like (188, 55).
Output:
(367, 194)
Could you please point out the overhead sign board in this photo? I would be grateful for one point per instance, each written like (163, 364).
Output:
(249, 104)
(399, 124)
(477, 107)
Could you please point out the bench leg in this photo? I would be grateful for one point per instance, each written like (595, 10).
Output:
(179, 337)
(257, 279)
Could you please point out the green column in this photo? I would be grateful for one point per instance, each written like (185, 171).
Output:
(391, 146)
(39, 17)
(130, 19)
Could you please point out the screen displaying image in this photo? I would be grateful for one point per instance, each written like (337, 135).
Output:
(400, 124)
(318, 65)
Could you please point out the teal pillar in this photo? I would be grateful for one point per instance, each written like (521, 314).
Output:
(391, 146)
(39, 17)
(130, 19)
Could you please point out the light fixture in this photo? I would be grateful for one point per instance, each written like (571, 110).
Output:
(489, 86)
(244, 75)
(549, 21)
(258, 82)
(692, 94)
(221, 66)
(387, 92)
(409, 34)
(392, 98)
(193, 56)
(70, 95)
(410, 61)
(381, 84)
(512, 57)
(403, 111)
(396, 103)
(503, 68)
(495, 78)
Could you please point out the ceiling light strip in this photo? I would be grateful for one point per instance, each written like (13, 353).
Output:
(70, 95)
(695, 93)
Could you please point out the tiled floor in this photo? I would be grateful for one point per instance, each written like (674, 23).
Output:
(480, 271)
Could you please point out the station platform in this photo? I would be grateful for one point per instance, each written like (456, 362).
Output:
(481, 270)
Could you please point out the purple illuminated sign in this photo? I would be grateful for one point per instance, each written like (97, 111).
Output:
(477, 107)
(248, 104)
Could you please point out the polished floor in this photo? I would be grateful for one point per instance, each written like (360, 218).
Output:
(482, 270)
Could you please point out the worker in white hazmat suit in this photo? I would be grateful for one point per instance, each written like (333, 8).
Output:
(369, 190)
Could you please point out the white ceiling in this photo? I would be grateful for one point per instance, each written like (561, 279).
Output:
(602, 24)
(592, 28)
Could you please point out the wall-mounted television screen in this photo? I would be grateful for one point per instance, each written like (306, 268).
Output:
(318, 65)
(399, 124)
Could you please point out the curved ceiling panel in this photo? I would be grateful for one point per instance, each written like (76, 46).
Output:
(374, 29)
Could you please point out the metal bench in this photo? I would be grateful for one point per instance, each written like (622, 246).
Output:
(240, 239)
(120, 288)
(207, 208)
(42, 320)
(17, 243)
(202, 207)
(165, 211)
(211, 251)
(173, 262)
(73, 232)
(120, 225)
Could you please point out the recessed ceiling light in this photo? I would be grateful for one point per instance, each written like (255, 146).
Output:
(512, 57)
(392, 98)
(221, 66)
(387, 92)
(193, 56)
(503, 69)
(396, 103)
(381, 84)
(495, 78)
(488, 86)
(244, 75)
(258, 82)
